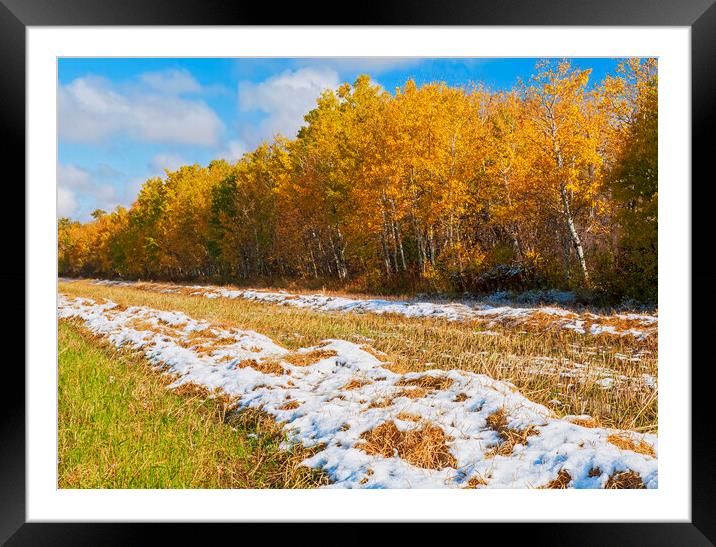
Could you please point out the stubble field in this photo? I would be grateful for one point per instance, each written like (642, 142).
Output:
(360, 392)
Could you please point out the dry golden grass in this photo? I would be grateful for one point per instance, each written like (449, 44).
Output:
(425, 447)
(412, 393)
(497, 421)
(210, 345)
(545, 322)
(585, 422)
(460, 397)
(308, 358)
(620, 323)
(291, 405)
(356, 383)
(625, 442)
(625, 480)
(192, 390)
(378, 355)
(142, 324)
(427, 382)
(561, 482)
(417, 345)
(198, 335)
(266, 366)
(476, 481)
(538, 322)
(399, 367)
(368, 473)
(408, 417)
(221, 402)
(381, 403)
(170, 323)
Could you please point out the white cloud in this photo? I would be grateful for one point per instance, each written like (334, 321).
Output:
(66, 202)
(77, 179)
(171, 162)
(364, 65)
(286, 98)
(171, 82)
(79, 192)
(233, 151)
(91, 109)
(73, 177)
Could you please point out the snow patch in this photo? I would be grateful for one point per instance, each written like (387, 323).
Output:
(332, 416)
(503, 314)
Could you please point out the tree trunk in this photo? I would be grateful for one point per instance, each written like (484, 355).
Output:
(386, 256)
(419, 242)
(574, 236)
(400, 245)
(565, 254)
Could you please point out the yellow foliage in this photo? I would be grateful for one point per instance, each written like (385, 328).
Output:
(432, 185)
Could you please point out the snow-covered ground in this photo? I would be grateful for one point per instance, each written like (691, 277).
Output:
(372, 427)
(627, 324)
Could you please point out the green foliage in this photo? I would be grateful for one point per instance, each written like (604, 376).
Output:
(635, 186)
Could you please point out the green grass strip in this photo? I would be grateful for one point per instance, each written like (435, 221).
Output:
(120, 427)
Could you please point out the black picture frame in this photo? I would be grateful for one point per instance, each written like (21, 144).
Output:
(699, 15)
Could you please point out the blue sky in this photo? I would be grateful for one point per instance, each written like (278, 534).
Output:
(121, 121)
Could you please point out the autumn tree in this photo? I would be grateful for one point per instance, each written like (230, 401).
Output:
(634, 179)
(564, 130)
(431, 187)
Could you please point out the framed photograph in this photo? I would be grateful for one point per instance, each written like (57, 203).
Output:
(428, 265)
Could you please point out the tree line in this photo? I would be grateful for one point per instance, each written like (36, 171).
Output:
(550, 184)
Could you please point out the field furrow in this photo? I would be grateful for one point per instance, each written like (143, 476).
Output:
(371, 423)
(491, 314)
